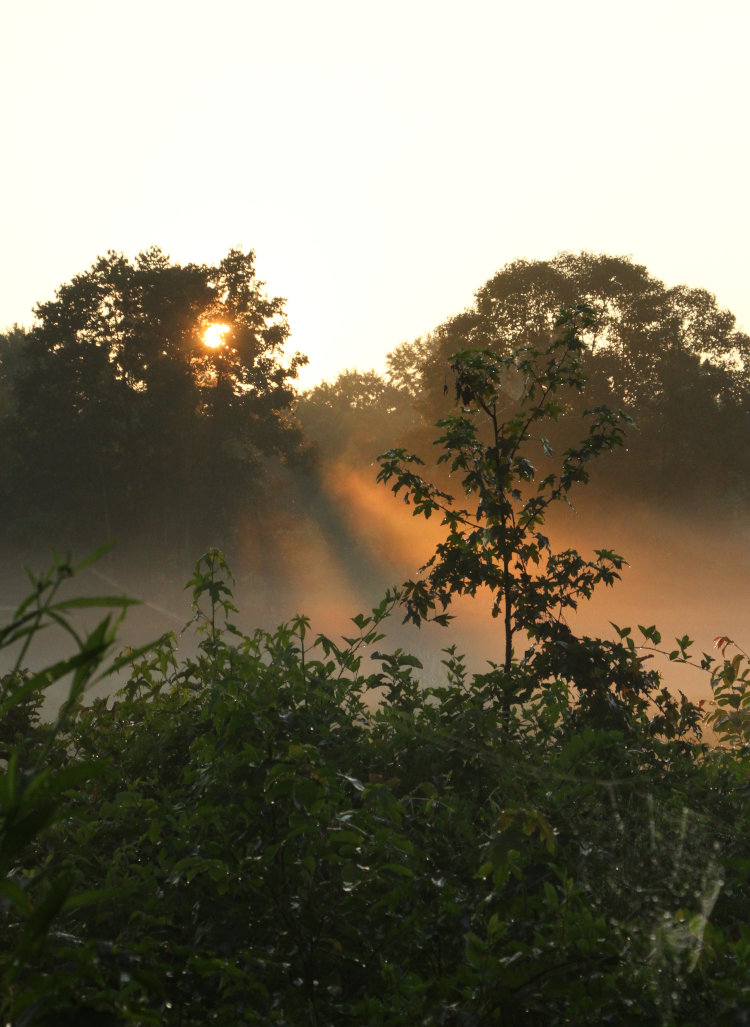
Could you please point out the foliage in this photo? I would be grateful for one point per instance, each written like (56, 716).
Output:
(355, 415)
(38, 775)
(671, 358)
(638, 345)
(499, 543)
(266, 845)
(730, 679)
(294, 829)
(112, 404)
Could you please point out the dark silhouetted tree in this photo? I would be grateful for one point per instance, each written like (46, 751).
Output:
(119, 418)
(670, 357)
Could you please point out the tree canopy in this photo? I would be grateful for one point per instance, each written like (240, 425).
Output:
(113, 405)
(640, 325)
(671, 358)
(357, 414)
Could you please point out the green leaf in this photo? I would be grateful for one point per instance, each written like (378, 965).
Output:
(400, 869)
(15, 895)
(550, 895)
(84, 602)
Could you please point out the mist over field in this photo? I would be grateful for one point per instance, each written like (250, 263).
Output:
(684, 574)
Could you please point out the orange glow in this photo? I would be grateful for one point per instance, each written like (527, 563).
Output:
(213, 337)
(386, 526)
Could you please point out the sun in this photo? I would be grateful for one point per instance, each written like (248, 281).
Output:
(213, 337)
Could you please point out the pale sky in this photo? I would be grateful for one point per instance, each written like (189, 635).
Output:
(382, 159)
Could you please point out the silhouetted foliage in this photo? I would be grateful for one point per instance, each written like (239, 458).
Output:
(495, 534)
(498, 542)
(356, 415)
(671, 358)
(117, 418)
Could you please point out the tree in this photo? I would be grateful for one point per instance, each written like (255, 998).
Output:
(124, 417)
(670, 357)
(637, 320)
(355, 415)
(497, 542)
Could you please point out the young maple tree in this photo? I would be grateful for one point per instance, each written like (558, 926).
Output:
(496, 539)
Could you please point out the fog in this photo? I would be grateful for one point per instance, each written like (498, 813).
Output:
(335, 556)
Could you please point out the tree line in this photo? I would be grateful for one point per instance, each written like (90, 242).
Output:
(118, 421)
(670, 358)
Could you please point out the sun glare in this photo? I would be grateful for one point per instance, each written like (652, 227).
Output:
(213, 337)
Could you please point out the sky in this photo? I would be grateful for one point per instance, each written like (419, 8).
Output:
(383, 160)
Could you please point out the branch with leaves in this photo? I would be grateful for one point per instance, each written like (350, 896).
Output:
(497, 542)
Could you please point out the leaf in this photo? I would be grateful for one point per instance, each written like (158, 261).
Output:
(650, 634)
(399, 869)
(353, 781)
(14, 894)
(550, 895)
(83, 602)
